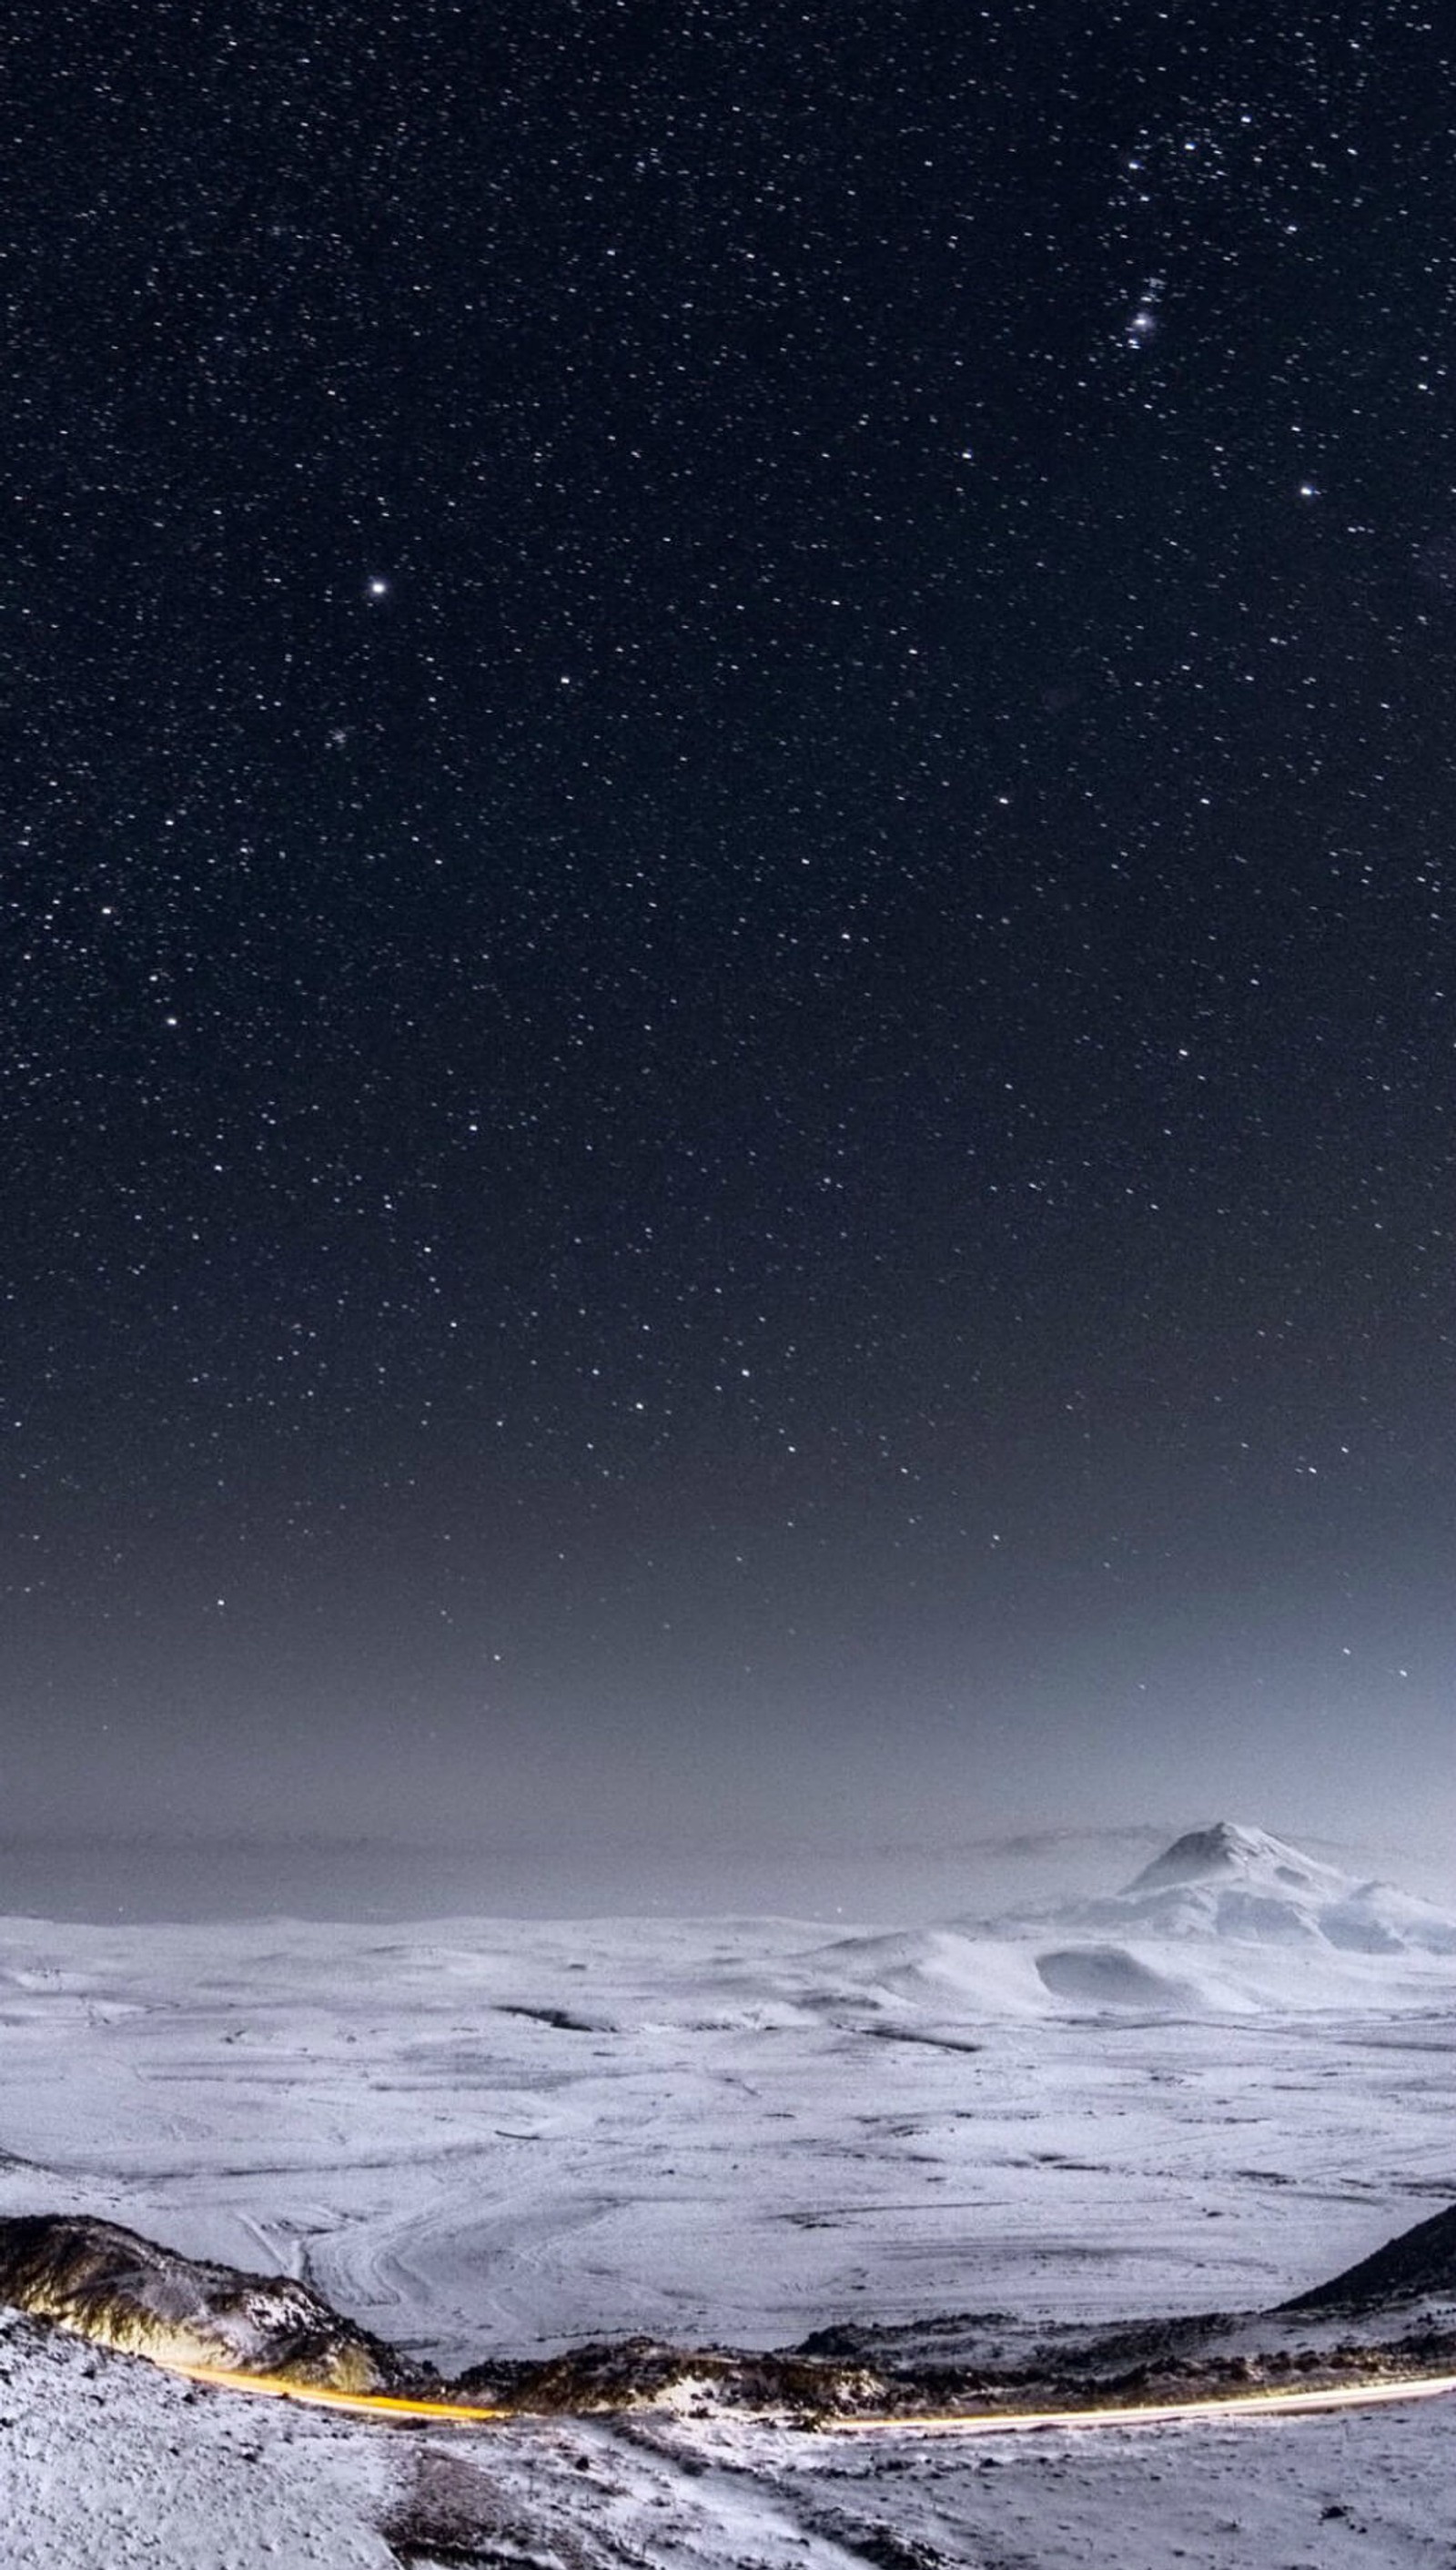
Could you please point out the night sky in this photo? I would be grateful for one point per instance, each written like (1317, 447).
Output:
(730, 1021)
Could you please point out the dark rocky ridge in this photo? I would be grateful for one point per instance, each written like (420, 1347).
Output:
(1417, 2262)
(120, 2291)
(111, 2284)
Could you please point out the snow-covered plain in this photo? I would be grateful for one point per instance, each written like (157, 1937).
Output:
(1231, 2079)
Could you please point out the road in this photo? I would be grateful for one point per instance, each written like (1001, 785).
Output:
(990, 2422)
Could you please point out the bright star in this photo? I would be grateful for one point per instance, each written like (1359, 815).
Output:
(1142, 323)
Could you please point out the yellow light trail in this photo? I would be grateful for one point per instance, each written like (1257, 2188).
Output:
(321, 2395)
(977, 2423)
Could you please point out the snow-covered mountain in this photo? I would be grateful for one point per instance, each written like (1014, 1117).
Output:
(1229, 1847)
(1227, 1919)
(1238, 1883)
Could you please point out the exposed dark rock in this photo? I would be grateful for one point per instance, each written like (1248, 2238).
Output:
(618, 2373)
(111, 2284)
(564, 2020)
(1419, 2261)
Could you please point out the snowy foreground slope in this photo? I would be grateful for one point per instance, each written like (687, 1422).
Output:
(108, 2465)
(476, 2137)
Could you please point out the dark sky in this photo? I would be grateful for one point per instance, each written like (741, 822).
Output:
(729, 1016)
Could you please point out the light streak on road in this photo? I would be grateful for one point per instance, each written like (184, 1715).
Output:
(1159, 2413)
(979, 2422)
(322, 2395)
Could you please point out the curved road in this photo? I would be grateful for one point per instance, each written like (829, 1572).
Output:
(991, 2423)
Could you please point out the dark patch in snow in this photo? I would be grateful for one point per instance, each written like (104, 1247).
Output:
(562, 2018)
(914, 2034)
(451, 2512)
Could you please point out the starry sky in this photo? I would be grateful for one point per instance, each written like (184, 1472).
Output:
(729, 1008)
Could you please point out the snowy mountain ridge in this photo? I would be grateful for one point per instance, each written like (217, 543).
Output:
(1240, 1885)
(1227, 1919)
(1231, 1848)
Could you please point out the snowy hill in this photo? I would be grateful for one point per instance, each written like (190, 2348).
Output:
(1227, 1920)
(1228, 1850)
(1240, 1885)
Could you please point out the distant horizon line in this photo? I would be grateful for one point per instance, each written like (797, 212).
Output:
(1015, 1834)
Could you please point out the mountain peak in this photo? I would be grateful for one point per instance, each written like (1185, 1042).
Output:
(1229, 1851)
(1241, 1887)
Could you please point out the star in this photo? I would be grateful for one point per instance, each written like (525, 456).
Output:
(1142, 323)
